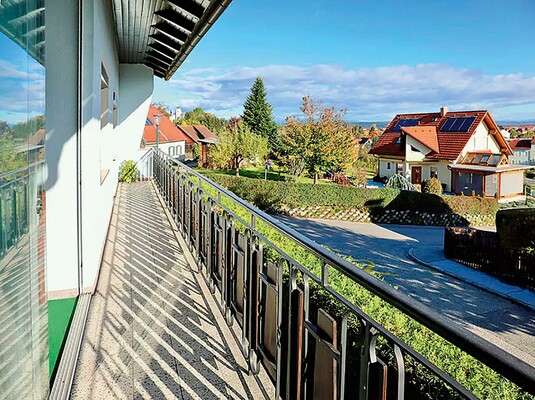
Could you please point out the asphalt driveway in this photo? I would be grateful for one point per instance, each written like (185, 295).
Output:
(507, 324)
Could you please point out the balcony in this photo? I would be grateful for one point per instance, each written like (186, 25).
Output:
(202, 296)
(153, 329)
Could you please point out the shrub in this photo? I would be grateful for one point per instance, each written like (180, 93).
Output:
(128, 172)
(432, 186)
(421, 384)
(516, 228)
(471, 205)
(269, 195)
(307, 194)
(398, 181)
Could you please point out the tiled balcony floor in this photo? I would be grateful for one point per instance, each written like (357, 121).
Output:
(153, 329)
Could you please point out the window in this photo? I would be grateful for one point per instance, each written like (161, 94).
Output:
(171, 151)
(388, 165)
(399, 168)
(433, 172)
(148, 121)
(104, 96)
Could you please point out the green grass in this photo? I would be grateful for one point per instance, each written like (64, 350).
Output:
(59, 318)
(257, 172)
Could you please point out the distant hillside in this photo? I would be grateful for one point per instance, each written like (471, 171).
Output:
(516, 122)
(367, 124)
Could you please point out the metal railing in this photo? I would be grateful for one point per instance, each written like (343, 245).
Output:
(13, 208)
(309, 337)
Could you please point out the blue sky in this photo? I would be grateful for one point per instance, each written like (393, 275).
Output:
(22, 80)
(376, 58)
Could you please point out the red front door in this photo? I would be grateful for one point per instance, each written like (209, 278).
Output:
(416, 175)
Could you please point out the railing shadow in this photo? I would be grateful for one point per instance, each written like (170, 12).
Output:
(150, 330)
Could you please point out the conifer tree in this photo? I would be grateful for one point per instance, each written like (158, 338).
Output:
(258, 115)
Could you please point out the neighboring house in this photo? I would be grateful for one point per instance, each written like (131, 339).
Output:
(34, 146)
(523, 151)
(365, 142)
(201, 136)
(178, 141)
(172, 140)
(465, 150)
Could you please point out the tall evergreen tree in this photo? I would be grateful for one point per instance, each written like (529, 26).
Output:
(258, 115)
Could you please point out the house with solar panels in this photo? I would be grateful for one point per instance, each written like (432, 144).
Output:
(465, 150)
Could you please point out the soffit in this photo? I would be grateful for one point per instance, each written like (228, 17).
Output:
(162, 33)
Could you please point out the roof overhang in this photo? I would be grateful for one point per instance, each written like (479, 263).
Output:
(482, 168)
(162, 33)
(24, 23)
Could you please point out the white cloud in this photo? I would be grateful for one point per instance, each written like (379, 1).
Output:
(367, 93)
(23, 90)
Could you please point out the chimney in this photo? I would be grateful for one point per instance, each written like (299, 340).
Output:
(443, 111)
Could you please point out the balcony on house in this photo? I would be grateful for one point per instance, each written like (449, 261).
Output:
(200, 295)
(171, 286)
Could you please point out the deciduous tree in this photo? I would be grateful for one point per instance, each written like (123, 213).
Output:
(322, 139)
(198, 116)
(10, 158)
(237, 144)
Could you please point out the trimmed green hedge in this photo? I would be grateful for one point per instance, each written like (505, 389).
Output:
(268, 195)
(516, 228)
(421, 384)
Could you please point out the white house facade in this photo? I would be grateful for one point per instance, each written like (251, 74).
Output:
(87, 69)
(465, 150)
(523, 151)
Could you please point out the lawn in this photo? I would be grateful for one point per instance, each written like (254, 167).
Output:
(257, 172)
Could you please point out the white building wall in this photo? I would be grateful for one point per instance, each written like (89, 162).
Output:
(61, 148)
(481, 140)
(419, 154)
(387, 167)
(97, 198)
(520, 157)
(135, 94)
(173, 149)
(100, 149)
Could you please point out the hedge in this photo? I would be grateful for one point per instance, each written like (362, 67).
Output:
(421, 384)
(516, 228)
(269, 195)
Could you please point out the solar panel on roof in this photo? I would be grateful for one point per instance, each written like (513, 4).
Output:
(405, 122)
(468, 121)
(449, 122)
(458, 124)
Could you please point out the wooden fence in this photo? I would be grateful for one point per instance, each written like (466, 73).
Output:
(481, 250)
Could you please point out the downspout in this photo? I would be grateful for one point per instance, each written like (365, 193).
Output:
(210, 16)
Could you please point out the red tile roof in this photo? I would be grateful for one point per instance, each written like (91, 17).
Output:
(521, 144)
(427, 135)
(168, 131)
(450, 144)
(198, 133)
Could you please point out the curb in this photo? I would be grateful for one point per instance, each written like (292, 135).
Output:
(410, 254)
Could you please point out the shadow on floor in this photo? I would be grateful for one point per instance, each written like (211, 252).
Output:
(151, 331)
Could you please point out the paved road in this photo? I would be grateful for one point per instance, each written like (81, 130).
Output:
(502, 322)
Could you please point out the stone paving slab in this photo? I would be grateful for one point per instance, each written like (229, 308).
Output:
(153, 330)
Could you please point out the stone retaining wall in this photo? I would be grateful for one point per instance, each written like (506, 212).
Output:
(389, 216)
